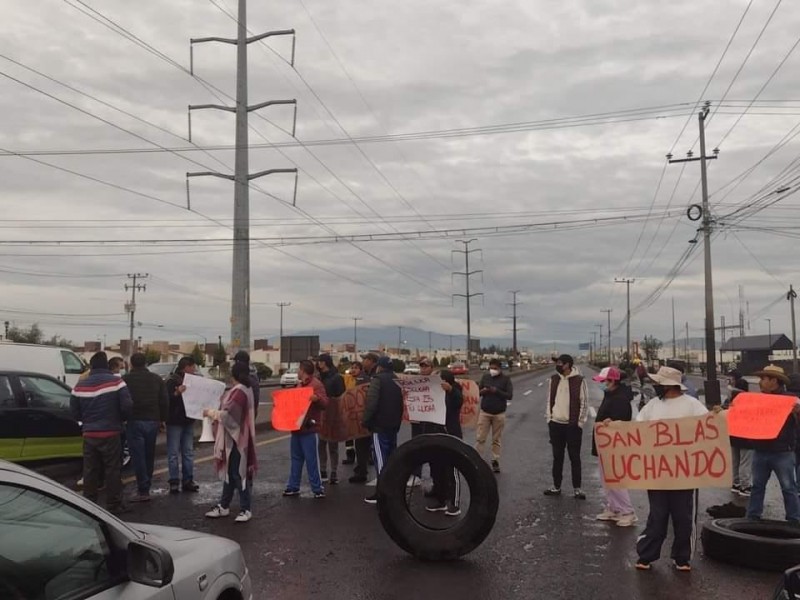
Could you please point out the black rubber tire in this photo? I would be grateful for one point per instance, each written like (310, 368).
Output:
(469, 531)
(756, 544)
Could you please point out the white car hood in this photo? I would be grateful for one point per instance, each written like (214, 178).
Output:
(168, 534)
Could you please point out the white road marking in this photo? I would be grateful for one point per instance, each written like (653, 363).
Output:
(528, 393)
(541, 383)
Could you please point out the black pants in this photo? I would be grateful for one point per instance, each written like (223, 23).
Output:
(102, 458)
(569, 438)
(666, 504)
(363, 450)
(446, 479)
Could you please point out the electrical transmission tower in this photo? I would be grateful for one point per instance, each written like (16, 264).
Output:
(468, 296)
(240, 279)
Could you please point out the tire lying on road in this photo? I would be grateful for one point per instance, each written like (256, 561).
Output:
(466, 533)
(756, 544)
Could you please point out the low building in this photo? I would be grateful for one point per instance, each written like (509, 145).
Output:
(753, 352)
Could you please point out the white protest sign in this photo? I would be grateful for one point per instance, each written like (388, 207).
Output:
(200, 393)
(424, 398)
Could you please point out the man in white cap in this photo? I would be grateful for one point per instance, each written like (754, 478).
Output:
(776, 455)
(672, 403)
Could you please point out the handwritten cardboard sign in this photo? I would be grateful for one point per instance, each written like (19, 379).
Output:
(472, 403)
(200, 393)
(759, 416)
(424, 398)
(341, 420)
(289, 408)
(672, 454)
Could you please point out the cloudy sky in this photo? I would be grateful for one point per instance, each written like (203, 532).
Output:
(542, 115)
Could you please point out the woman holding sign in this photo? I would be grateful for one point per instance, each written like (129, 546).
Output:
(234, 444)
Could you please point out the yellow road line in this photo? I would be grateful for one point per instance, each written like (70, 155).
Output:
(210, 457)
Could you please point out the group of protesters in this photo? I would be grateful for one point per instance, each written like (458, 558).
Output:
(754, 461)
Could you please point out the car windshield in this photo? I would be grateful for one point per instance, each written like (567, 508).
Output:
(162, 369)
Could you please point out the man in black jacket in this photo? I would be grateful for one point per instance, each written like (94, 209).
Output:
(383, 415)
(334, 388)
(775, 455)
(180, 432)
(149, 395)
(495, 390)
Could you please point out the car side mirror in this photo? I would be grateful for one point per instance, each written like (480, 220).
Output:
(149, 564)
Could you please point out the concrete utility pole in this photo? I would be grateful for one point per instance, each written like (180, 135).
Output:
(769, 329)
(514, 305)
(790, 297)
(600, 342)
(592, 351)
(674, 352)
(430, 344)
(467, 274)
(399, 341)
(686, 347)
(130, 307)
(627, 283)
(281, 305)
(712, 389)
(608, 314)
(240, 280)
(355, 335)
(6, 324)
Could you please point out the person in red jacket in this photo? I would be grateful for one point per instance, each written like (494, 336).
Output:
(304, 442)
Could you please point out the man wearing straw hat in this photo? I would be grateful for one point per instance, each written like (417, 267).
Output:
(672, 403)
(776, 455)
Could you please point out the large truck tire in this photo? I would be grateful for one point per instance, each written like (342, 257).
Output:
(756, 544)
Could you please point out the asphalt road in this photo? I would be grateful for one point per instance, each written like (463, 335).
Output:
(298, 548)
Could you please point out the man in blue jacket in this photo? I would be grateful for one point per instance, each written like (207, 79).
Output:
(102, 402)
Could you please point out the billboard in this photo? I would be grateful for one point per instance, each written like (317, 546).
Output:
(586, 346)
(295, 348)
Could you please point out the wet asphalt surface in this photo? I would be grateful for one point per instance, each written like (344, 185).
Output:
(540, 547)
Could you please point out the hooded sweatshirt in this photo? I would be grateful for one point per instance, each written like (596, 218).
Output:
(567, 399)
(616, 406)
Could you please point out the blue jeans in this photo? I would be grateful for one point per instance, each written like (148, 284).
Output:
(180, 440)
(235, 483)
(782, 464)
(304, 450)
(384, 444)
(142, 444)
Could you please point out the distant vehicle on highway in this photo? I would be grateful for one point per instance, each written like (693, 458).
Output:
(459, 368)
(412, 368)
(289, 377)
(61, 363)
(163, 370)
(504, 364)
(484, 366)
(57, 544)
(35, 422)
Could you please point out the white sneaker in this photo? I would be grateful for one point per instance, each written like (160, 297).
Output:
(372, 483)
(414, 481)
(217, 512)
(79, 483)
(627, 520)
(608, 515)
(244, 516)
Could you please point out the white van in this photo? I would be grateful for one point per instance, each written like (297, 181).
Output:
(61, 363)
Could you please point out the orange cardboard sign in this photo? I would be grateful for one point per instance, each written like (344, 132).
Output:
(289, 408)
(755, 416)
(472, 403)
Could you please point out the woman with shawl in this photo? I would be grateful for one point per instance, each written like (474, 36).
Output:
(234, 444)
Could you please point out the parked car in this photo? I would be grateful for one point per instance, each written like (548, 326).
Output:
(164, 370)
(61, 363)
(35, 422)
(484, 366)
(458, 368)
(504, 364)
(57, 544)
(289, 377)
(412, 369)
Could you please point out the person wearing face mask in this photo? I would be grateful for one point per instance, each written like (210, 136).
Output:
(616, 406)
(425, 370)
(495, 390)
(567, 411)
(677, 505)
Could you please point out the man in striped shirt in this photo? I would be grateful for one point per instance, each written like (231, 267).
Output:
(102, 403)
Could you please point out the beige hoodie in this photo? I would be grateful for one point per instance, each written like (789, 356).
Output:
(560, 412)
